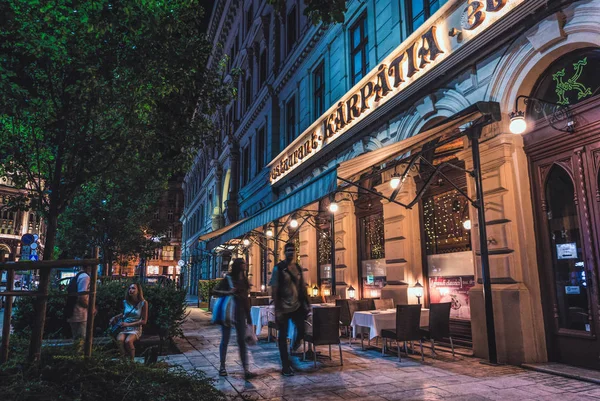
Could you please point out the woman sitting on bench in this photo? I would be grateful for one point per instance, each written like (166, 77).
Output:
(134, 316)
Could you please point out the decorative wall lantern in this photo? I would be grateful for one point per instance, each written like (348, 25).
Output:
(417, 291)
(315, 291)
(351, 292)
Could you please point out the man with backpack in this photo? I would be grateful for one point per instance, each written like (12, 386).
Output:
(291, 302)
(76, 309)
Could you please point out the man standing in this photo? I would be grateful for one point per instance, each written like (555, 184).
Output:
(291, 302)
(78, 317)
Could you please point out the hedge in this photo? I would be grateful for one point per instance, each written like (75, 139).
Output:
(166, 313)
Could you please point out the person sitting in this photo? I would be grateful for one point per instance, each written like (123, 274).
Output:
(134, 316)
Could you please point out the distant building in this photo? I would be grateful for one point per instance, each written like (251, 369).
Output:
(167, 215)
(14, 224)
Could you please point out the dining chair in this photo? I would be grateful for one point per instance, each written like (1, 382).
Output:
(316, 300)
(384, 303)
(408, 318)
(345, 316)
(271, 325)
(439, 324)
(325, 330)
(329, 299)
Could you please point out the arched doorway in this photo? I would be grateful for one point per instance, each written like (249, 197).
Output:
(566, 197)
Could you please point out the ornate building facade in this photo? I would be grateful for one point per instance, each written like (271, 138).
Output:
(356, 141)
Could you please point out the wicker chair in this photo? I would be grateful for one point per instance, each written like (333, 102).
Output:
(408, 318)
(385, 303)
(439, 324)
(325, 331)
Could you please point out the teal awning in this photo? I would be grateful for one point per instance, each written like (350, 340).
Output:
(314, 190)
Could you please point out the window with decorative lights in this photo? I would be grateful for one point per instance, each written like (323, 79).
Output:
(444, 218)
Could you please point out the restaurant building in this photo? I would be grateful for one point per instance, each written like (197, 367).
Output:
(377, 179)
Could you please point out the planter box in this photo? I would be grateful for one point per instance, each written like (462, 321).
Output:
(202, 304)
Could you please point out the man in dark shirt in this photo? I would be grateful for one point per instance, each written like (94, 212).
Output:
(291, 302)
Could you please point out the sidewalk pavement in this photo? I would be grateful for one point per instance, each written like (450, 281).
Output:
(366, 375)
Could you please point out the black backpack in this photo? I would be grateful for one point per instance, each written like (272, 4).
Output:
(72, 298)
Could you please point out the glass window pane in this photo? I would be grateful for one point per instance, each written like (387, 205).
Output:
(357, 63)
(418, 6)
(355, 37)
(567, 257)
(417, 22)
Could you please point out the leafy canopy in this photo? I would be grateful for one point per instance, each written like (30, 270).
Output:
(88, 89)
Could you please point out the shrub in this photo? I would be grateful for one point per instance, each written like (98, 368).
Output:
(67, 377)
(166, 313)
(205, 288)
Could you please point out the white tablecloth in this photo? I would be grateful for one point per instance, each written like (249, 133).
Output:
(261, 315)
(384, 320)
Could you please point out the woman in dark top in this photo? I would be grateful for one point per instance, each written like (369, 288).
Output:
(240, 292)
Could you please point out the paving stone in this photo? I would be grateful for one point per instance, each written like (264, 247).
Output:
(365, 375)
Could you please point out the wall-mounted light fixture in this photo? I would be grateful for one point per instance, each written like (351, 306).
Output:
(417, 291)
(559, 116)
(351, 292)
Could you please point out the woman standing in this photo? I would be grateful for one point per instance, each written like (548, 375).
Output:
(240, 292)
(134, 316)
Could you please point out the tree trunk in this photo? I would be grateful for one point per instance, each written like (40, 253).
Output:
(35, 345)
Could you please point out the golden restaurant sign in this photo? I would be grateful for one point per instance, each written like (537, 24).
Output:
(457, 23)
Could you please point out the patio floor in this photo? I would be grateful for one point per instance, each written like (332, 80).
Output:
(366, 375)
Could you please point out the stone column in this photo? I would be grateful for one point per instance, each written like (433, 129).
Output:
(402, 242)
(513, 266)
(346, 248)
(308, 253)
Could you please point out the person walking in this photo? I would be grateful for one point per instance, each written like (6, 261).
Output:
(134, 316)
(236, 284)
(291, 303)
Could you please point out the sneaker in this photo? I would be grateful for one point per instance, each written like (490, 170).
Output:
(222, 372)
(249, 375)
(287, 373)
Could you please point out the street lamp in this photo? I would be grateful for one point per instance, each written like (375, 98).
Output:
(417, 291)
(467, 224)
(246, 242)
(269, 232)
(333, 207)
(294, 223)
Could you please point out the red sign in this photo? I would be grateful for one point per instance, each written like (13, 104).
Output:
(455, 290)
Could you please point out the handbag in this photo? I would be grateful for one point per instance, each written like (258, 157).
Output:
(224, 310)
(116, 328)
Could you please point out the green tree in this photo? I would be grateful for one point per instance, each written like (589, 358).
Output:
(115, 215)
(88, 88)
(326, 11)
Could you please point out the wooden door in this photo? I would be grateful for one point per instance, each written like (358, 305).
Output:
(567, 231)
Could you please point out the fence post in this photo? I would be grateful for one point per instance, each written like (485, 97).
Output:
(10, 280)
(89, 330)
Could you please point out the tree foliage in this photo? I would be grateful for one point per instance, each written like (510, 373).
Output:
(88, 89)
(326, 11)
(115, 215)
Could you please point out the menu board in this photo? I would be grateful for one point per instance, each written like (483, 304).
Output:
(455, 290)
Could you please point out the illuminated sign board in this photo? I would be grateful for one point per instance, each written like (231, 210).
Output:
(455, 25)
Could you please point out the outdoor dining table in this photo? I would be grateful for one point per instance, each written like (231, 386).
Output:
(261, 315)
(378, 320)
